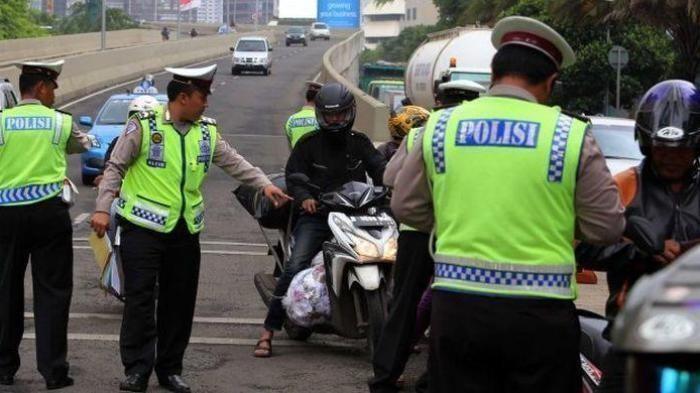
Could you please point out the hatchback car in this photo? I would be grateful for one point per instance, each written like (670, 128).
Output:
(319, 31)
(109, 123)
(295, 35)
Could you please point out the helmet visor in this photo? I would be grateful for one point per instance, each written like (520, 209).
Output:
(337, 117)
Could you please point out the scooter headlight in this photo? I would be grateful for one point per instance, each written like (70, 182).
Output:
(365, 249)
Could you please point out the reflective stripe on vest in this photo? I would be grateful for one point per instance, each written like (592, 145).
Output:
(498, 277)
(28, 194)
(439, 140)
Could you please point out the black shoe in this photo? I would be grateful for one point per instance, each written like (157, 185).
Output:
(174, 383)
(59, 383)
(134, 383)
(7, 380)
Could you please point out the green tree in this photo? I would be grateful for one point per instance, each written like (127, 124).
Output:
(83, 20)
(15, 21)
(585, 84)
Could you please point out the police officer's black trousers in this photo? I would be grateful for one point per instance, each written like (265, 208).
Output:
(482, 344)
(412, 273)
(42, 231)
(173, 260)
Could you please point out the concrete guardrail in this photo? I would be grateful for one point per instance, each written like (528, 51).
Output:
(71, 44)
(341, 64)
(90, 72)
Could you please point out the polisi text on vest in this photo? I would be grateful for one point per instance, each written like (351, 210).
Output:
(497, 132)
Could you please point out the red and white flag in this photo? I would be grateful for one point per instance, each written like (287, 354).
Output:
(186, 5)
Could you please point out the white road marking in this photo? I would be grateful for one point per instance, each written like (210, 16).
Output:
(202, 320)
(209, 252)
(81, 217)
(205, 242)
(214, 341)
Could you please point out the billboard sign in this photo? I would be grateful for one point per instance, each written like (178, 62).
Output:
(339, 13)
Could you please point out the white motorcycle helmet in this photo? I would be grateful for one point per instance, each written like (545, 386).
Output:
(142, 104)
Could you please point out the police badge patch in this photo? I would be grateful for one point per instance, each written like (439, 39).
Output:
(157, 138)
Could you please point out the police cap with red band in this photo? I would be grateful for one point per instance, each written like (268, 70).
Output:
(520, 30)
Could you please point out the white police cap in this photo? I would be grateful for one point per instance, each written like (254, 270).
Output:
(201, 77)
(465, 85)
(520, 30)
(50, 70)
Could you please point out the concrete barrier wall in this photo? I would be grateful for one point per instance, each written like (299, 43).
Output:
(341, 64)
(87, 73)
(71, 44)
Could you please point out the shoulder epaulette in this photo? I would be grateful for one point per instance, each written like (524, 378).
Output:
(64, 112)
(143, 115)
(208, 120)
(577, 116)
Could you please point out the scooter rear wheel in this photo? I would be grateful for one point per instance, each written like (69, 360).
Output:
(296, 332)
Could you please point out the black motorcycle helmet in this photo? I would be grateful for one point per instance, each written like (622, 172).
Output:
(335, 108)
(669, 115)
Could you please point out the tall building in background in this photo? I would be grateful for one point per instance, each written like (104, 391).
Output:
(243, 10)
(211, 11)
(381, 22)
(421, 12)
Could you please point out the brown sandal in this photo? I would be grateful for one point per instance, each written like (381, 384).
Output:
(262, 352)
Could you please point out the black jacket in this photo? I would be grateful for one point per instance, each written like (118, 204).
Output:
(674, 215)
(330, 162)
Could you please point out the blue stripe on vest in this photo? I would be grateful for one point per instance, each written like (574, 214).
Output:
(29, 193)
(499, 277)
(438, 144)
(149, 216)
(555, 173)
(205, 147)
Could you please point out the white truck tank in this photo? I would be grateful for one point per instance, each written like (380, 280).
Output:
(469, 47)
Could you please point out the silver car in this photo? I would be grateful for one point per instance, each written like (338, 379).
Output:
(615, 136)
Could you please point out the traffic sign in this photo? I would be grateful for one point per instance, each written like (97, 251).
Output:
(618, 57)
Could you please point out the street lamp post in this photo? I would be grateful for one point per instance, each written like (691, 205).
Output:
(178, 19)
(103, 36)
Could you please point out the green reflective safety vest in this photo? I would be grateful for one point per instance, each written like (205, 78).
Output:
(411, 137)
(300, 124)
(33, 141)
(503, 175)
(164, 182)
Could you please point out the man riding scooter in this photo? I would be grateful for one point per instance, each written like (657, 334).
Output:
(664, 189)
(330, 157)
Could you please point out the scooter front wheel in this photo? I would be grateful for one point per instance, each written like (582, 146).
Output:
(376, 316)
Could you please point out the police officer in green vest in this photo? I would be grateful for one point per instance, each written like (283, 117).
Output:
(304, 121)
(34, 222)
(163, 156)
(508, 183)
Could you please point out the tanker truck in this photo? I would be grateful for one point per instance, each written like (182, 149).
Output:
(449, 55)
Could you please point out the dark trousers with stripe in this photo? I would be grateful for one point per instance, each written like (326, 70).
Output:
(171, 259)
(42, 231)
(484, 344)
(412, 273)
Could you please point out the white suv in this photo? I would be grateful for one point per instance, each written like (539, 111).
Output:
(319, 31)
(251, 54)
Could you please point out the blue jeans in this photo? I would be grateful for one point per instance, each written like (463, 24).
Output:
(309, 234)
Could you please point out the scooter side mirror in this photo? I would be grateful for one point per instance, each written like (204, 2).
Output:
(642, 233)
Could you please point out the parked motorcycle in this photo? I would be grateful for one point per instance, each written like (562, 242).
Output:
(595, 347)
(358, 260)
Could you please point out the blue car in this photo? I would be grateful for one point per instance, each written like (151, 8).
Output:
(107, 126)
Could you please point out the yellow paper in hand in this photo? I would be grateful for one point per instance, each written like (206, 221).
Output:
(102, 248)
